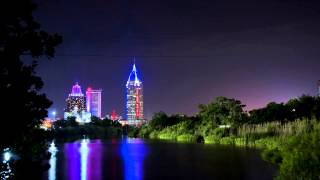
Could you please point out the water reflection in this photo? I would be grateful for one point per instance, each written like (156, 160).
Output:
(6, 172)
(53, 160)
(133, 152)
(73, 157)
(94, 160)
(134, 159)
(84, 151)
(83, 159)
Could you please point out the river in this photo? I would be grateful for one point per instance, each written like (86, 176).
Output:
(140, 159)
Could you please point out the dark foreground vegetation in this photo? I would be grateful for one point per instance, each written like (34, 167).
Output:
(22, 45)
(289, 134)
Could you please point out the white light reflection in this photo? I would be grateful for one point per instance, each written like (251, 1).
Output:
(53, 160)
(6, 172)
(84, 151)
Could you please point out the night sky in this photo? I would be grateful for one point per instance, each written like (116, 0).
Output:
(188, 52)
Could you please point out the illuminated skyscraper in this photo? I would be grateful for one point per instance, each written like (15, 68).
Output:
(134, 98)
(76, 100)
(94, 102)
(76, 105)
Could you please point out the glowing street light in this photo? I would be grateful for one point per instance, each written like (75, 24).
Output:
(54, 113)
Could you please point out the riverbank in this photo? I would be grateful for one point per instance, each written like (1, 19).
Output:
(293, 146)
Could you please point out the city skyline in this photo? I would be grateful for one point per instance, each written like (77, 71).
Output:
(188, 53)
(109, 107)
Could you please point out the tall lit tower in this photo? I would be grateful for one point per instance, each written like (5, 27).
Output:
(134, 98)
(94, 102)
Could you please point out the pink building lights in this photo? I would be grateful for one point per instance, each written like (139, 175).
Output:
(94, 101)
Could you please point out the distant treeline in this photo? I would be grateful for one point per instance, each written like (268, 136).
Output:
(288, 132)
(225, 112)
(69, 129)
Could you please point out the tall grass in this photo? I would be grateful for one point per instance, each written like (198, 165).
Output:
(277, 129)
(265, 135)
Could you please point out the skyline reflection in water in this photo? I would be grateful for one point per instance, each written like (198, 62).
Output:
(92, 159)
(135, 159)
(84, 159)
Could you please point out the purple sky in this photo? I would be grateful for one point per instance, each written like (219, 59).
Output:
(188, 52)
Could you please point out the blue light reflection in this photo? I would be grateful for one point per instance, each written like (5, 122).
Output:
(133, 152)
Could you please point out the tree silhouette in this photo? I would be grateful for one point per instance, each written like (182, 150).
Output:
(223, 111)
(22, 43)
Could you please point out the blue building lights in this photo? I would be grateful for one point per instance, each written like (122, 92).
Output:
(134, 96)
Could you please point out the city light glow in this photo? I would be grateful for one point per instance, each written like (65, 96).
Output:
(47, 124)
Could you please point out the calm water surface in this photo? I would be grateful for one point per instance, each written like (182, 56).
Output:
(138, 159)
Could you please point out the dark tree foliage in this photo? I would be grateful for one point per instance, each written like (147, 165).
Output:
(272, 112)
(22, 106)
(302, 107)
(223, 111)
(161, 120)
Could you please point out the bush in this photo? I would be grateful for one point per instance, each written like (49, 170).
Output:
(187, 138)
(154, 135)
(301, 157)
(220, 132)
(212, 140)
(272, 155)
(227, 140)
(145, 132)
(167, 136)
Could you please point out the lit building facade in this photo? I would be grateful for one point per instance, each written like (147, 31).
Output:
(134, 104)
(93, 100)
(76, 105)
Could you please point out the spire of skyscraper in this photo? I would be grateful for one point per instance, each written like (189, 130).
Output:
(133, 77)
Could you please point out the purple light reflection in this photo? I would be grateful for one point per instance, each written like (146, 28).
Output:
(73, 160)
(95, 160)
(83, 159)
